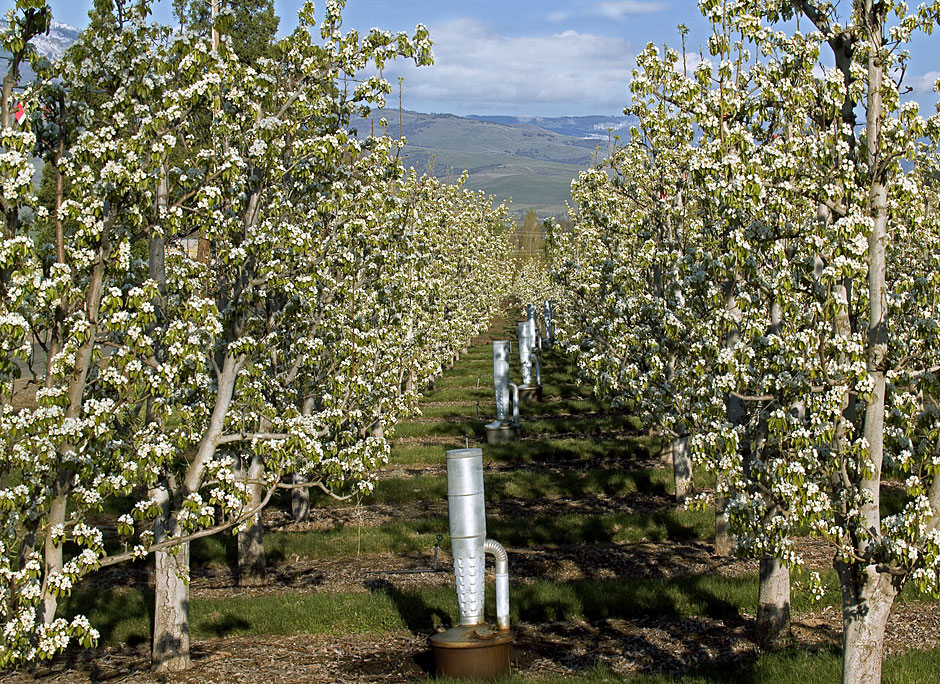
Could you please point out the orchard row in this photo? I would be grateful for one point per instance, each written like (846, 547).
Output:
(231, 286)
(757, 270)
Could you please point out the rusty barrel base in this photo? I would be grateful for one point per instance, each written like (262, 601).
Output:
(472, 652)
(502, 433)
(529, 394)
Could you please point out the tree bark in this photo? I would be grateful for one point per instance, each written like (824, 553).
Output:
(251, 560)
(171, 604)
(52, 555)
(773, 604)
(722, 535)
(867, 597)
(681, 467)
(300, 500)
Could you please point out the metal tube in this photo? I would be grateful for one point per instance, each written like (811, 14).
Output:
(549, 324)
(515, 402)
(467, 530)
(525, 351)
(501, 378)
(532, 319)
(493, 547)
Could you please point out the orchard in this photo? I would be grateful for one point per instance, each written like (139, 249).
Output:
(230, 296)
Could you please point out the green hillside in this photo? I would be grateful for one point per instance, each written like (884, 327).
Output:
(532, 166)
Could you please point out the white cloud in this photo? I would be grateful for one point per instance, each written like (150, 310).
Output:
(618, 9)
(922, 83)
(478, 71)
(556, 17)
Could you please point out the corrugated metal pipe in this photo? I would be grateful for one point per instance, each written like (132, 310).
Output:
(515, 402)
(502, 582)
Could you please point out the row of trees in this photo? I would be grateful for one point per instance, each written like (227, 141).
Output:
(231, 287)
(757, 269)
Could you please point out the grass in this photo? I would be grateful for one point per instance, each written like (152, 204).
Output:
(530, 451)
(123, 615)
(420, 536)
(528, 484)
(583, 425)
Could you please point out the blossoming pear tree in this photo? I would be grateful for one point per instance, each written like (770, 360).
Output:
(259, 334)
(821, 300)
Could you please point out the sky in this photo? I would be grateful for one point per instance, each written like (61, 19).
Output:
(527, 57)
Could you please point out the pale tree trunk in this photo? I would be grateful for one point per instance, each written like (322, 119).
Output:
(171, 598)
(299, 500)
(52, 555)
(734, 412)
(773, 604)
(723, 546)
(773, 596)
(84, 358)
(171, 604)
(867, 597)
(171, 610)
(681, 467)
(251, 561)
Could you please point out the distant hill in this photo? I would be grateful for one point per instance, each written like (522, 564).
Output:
(584, 127)
(532, 165)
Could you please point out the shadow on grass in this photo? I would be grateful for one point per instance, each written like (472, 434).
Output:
(120, 616)
(565, 450)
(626, 599)
(224, 624)
(601, 529)
(417, 612)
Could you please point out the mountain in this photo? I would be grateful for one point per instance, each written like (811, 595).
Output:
(519, 160)
(51, 45)
(54, 44)
(584, 127)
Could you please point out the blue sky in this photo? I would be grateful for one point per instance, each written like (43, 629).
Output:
(528, 57)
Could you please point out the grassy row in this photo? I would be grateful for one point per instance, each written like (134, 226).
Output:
(791, 666)
(467, 410)
(528, 452)
(411, 536)
(583, 425)
(529, 484)
(123, 615)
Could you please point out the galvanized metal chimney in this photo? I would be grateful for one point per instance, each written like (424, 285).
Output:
(467, 514)
(503, 429)
(532, 319)
(472, 648)
(549, 323)
(529, 390)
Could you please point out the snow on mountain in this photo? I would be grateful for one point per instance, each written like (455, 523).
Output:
(54, 44)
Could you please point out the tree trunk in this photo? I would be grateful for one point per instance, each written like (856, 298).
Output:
(251, 561)
(681, 467)
(300, 500)
(52, 553)
(171, 606)
(722, 535)
(867, 596)
(773, 604)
